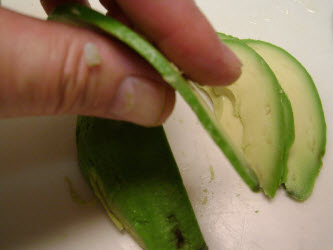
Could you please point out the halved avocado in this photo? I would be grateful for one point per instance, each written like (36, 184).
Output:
(252, 113)
(305, 158)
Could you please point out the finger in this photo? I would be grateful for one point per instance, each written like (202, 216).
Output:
(46, 68)
(116, 12)
(49, 5)
(185, 36)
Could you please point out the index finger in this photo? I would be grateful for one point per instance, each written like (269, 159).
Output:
(184, 35)
(49, 5)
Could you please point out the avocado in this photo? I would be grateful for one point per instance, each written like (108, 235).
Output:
(253, 114)
(289, 133)
(305, 158)
(84, 16)
(132, 171)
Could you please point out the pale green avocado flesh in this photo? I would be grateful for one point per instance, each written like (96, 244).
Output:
(134, 174)
(289, 128)
(305, 158)
(251, 112)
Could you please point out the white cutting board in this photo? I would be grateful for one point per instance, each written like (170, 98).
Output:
(36, 211)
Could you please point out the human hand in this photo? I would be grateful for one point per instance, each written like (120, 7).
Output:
(43, 69)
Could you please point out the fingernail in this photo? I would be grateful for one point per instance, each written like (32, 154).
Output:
(233, 66)
(138, 100)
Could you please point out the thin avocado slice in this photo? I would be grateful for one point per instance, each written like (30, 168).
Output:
(251, 112)
(289, 126)
(81, 15)
(134, 174)
(305, 158)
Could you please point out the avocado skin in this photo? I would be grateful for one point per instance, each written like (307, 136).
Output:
(140, 180)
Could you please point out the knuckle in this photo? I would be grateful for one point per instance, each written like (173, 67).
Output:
(76, 84)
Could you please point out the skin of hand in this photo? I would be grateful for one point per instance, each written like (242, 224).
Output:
(44, 71)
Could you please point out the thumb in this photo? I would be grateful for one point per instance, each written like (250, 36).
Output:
(49, 68)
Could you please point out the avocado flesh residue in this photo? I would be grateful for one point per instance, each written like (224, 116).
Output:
(132, 171)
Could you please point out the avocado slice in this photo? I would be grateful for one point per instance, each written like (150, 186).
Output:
(305, 158)
(289, 126)
(84, 16)
(132, 171)
(252, 113)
